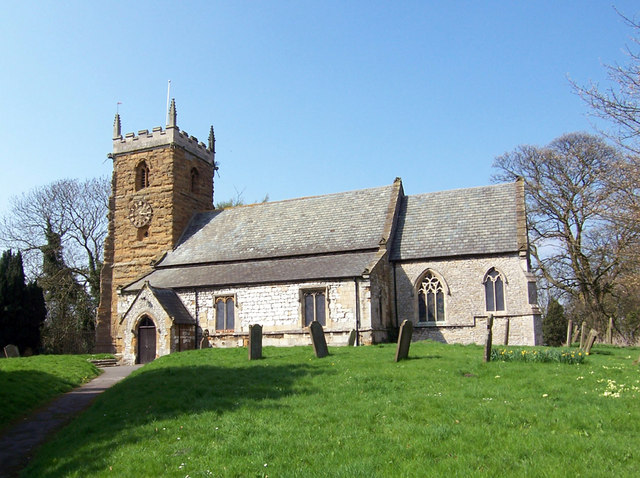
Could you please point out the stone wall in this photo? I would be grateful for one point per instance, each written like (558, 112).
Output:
(465, 308)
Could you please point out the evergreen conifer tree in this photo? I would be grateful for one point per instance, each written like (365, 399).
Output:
(22, 310)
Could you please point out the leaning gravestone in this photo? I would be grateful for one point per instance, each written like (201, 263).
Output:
(593, 334)
(489, 339)
(318, 340)
(255, 342)
(11, 351)
(352, 337)
(404, 340)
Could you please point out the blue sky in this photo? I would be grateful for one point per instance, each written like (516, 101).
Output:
(306, 97)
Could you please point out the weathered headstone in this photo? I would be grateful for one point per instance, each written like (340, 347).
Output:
(489, 339)
(610, 331)
(575, 332)
(255, 342)
(593, 334)
(318, 340)
(352, 337)
(204, 341)
(506, 332)
(404, 340)
(11, 351)
(583, 335)
(569, 332)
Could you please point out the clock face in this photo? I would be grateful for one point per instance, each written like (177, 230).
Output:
(140, 213)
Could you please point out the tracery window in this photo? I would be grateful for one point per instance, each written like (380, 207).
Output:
(142, 176)
(431, 299)
(494, 291)
(314, 302)
(225, 314)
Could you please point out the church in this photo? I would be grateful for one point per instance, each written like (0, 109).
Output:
(179, 274)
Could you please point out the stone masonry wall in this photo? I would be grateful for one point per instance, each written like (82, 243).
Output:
(465, 308)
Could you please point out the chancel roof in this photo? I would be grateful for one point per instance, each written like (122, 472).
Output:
(482, 220)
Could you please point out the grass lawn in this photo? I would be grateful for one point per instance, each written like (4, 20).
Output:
(357, 413)
(27, 382)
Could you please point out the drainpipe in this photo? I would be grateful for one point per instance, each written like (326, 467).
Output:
(355, 282)
(195, 346)
(395, 294)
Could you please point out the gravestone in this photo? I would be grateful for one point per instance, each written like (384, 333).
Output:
(318, 340)
(569, 332)
(489, 339)
(593, 334)
(506, 332)
(404, 340)
(255, 342)
(352, 337)
(204, 342)
(583, 335)
(610, 331)
(11, 351)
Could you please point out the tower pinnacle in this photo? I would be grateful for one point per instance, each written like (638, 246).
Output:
(117, 130)
(172, 115)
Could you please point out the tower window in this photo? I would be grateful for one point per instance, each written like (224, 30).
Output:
(194, 180)
(142, 176)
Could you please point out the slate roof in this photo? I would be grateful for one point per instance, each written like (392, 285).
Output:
(459, 222)
(328, 266)
(336, 236)
(174, 307)
(332, 223)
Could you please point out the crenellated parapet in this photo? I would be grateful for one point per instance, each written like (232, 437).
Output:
(172, 135)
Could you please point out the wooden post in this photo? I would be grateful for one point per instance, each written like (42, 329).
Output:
(569, 330)
(487, 343)
(610, 331)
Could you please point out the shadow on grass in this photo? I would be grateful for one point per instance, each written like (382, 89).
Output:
(122, 414)
(22, 391)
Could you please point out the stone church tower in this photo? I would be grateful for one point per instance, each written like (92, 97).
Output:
(160, 179)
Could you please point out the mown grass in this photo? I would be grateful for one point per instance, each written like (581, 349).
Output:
(357, 413)
(28, 382)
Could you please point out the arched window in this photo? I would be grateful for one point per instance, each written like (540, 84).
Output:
(225, 314)
(194, 180)
(142, 176)
(430, 299)
(494, 290)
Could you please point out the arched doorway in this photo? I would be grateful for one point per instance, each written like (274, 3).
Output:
(146, 340)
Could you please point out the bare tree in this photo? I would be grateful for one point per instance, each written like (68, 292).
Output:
(74, 210)
(619, 104)
(570, 205)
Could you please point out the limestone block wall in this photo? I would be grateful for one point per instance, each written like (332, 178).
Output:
(277, 307)
(465, 307)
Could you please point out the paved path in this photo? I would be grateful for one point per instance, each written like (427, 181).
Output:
(17, 443)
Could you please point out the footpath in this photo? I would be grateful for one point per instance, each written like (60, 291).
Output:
(18, 443)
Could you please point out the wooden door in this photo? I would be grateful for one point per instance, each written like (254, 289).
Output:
(146, 341)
